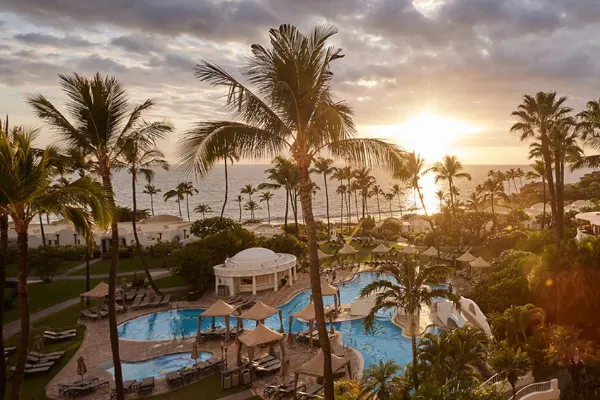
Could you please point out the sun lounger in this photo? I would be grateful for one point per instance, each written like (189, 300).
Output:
(85, 389)
(130, 295)
(174, 379)
(143, 304)
(264, 358)
(136, 301)
(271, 367)
(38, 360)
(165, 300)
(156, 302)
(64, 387)
(309, 393)
(59, 337)
(46, 355)
(287, 390)
(89, 314)
(129, 385)
(118, 308)
(9, 350)
(146, 386)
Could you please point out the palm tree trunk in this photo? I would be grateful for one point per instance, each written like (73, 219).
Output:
(112, 285)
(42, 231)
(138, 246)
(179, 206)
(413, 342)
(378, 209)
(391, 215)
(226, 188)
(399, 204)
(551, 187)
(560, 204)
(268, 212)
(152, 203)
(19, 374)
(48, 219)
(241, 214)
(287, 208)
(187, 206)
(515, 185)
(3, 251)
(356, 205)
(327, 203)
(315, 278)
(342, 212)
(362, 201)
(544, 200)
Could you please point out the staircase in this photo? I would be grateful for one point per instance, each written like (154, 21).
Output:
(539, 391)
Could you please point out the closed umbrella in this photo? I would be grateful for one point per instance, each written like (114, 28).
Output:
(150, 293)
(38, 343)
(81, 368)
(195, 354)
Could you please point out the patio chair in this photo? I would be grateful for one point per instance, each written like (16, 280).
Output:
(146, 386)
(273, 366)
(60, 337)
(118, 308)
(309, 393)
(57, 354)
(129, 296)
(129, 385)
(174, 379)
(88, 314)
(156, 302)
(165, 300)
(136, 301)
(9, 350)
(287, 390)
(64, 387)
(143, 304)
(89, 388)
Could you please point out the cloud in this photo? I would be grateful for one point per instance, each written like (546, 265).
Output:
(43, 39)
(136, 44)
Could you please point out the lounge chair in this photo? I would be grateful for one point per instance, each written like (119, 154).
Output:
(129, 385)
(85, 389)
(287, 390)
(174, 379)
(309, 393)
(118, 308)
(62, 333)
(9, 350)
(146, 386)
(39, 360)
(58, 337)
(88, 314)
(46, 355)
(156, 302)
(269, 367)
(165, 300)
(64, 387)
(136, 301)
(129, 296)
(143, 304)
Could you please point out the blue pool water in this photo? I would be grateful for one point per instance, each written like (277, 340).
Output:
(385, 342)
(159, 366)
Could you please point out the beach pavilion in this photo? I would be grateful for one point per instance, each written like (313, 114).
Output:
(380, 250)
(308, 314)
(219, 309)
(315, 367)
(259, 337)
(347, 250)
(253, 270)
(259, 312)
(99, 293)
(431, 252)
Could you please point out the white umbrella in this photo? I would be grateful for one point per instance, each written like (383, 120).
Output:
(466, 257)
(409, 250)
(430, 252)
(480, 263)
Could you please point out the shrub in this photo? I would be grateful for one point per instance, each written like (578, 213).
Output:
(286, 243)
(45, 263)
(163, 249)
(210, 226)
(392, 226)
(291, 228)
(367, 223)
(126, 252)
(502, 241)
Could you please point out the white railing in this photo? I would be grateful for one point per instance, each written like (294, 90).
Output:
(494, 379)
(534, 388)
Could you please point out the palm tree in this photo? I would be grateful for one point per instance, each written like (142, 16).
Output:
(251, 206)
(511, 363)
(493, 189)
(293, 111)
(407, 289)
(376, 191)
(239, 200)
(26, 181)
(397, 190)
(365, 180)
(324, 166)
(100, 124)
(267, 196)
(381, 381)
(284, 174)
(514, 323)
(441, 196)
(249, 190)
(4, 132)
(536, 118)
(151, 190)
(341, 190)
(513, 174)
(354, 188)
(188, 189)
(177, 194)
(203, 209)
(139, 157)
(449, 169)
(539, 172)
(390, 197)
(474, 200)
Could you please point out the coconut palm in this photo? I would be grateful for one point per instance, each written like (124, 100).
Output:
(355, 187)
(539, 172)
(376, 191)
(474, 200)
(520, 174)
(139, 158)
(324, 166)
(203, 209)
(363, 177)
(249, 190)
(188, 190)
(408, 290)
(341, 190)
(283, 174)
(101, 120)
(292, 111)
(26, 180)
(449, 169)
(267, 196)
(239, 200)
(516, 322)
(493, 189)
(382, 381)
(441, 196)
(511, 363)
(176, 194)
(251, 206)
(390, 197)
(398, 192)
(151, 190)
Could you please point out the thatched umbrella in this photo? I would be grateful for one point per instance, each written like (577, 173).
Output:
(315, 367)
(260, 336)
(195, 355)
(219, 309)
(81, 368)
(260, 311)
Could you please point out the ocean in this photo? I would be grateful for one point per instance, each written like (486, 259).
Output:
(211, 192)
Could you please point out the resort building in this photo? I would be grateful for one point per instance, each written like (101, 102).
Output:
(589, 225)
(253, 270)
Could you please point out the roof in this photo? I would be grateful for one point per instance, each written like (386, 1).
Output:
(307, 313)
(497, 210)
(480, 263)
(254, 255)
(162, 219)
(430, 252)
(409, 249)
(219, 309)
(259, 336)
(322, 255)
(466, 257)
(314, 366)
(101, 290)
(347, 249)
(327, 289)
(259, 311)
(380, 249)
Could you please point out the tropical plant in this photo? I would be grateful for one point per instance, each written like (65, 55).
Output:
(266, 197)
(203, 209)
(100, 123)
(187, 189)
(151, 190)
(517, 323)
(251, 206)
(249, 190)
(382, 381)
(449, 169)
(365, 180)
(441, 197)
(283, 174)
(510, 363)
(493, 189)
(239, 200)
(346, 389)
(294, 111)
(538, 171)
(324, 166)
(210, 226)
(406, 289)
(376, 191)
(341, 190)
(389, 197)
(26, 180)
(398, 192)
(474, 201)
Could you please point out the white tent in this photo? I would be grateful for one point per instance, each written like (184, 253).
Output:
(381, 249)
(480, 263)
(466, 257)
(347, 249)
(409, 250)
(430, 252)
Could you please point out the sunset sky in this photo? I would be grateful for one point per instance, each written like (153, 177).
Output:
(433, 75)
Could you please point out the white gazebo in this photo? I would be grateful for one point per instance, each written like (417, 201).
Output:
(255, 269)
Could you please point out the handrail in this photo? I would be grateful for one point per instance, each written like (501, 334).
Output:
(533, 388)
(493, 379)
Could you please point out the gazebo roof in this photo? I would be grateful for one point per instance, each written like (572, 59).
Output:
(307, 313)
(466, 257)
(480, 263)
(259, 311)
(259, 336)
(314, 366)
(219, 309)
(430, 252)
(409, 249)
(101, 290)
(347, 249)
(382, 248)
(327, 289)
(322, 255)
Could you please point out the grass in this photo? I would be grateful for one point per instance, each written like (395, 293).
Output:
(364, 253)
(11, 269)
(125, 265)
(209, 387)
(170, 281)
(34, 386)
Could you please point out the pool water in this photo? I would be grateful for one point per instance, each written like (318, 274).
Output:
(159, 366)
(384, 343)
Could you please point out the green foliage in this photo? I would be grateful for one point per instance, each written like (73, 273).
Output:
(510, 362)
(45, 264)
(292, 229)
(210, 226)
(536, 241)
(502, 241)
(346, 389)
(392, 226)
(517, 324)
(125, 214)
(163, 249)
(367, 223)
(382, 381)
(286, 243)
(474, 222)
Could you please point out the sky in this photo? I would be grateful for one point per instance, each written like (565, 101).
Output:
(435, 76)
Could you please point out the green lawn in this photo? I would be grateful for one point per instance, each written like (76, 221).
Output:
(126, 265)
(208, 388)
(11, 269)
(364, 253)
(170, 281)
(33, 387)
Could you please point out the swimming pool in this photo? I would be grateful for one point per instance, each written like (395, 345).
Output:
(159, 366)
(386, 342)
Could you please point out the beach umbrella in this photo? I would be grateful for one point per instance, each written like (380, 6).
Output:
(479, 263)
(38, 343)
(195, 354)
(322, 255)
(381, 249)
(466, 257)
(81, 368)
(409, 250)
(347, 250)
(430, 252)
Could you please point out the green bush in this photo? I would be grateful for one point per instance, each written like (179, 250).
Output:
(392, 226)
(367, 223)
(286, 243)
(210, 226)
(502, 241)
(163, 249)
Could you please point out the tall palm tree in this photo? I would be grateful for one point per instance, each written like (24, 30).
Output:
(382, 381)
(26, 180)
(536, 117)
(267, 196)
(251, 206)
(363, 177)
(188, 190)
(203, 209)
(520, 174)
(407, 289)
(101, 120)
(176, 194)
(398, 192)
(449, 169)
(511, 363)
(151, 190)
(515, 322)
(140, 157)
(390, 197)
(355, 188)
(539, 172)
(493, 189)
(341, 190)
(294, 110)
(4, 132)
(376, 191)
(249, 190)
(511, 175)
(239, 200)
(324, 166)
(283, 174)
(474, 200)
(441, 196)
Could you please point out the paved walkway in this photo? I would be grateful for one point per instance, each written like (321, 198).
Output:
(246, 394)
